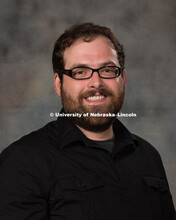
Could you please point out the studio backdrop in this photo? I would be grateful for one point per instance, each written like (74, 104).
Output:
(145, 28)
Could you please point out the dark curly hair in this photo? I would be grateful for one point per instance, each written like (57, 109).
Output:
(87, 32)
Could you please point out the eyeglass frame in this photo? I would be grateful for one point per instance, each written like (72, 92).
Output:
(68, 72)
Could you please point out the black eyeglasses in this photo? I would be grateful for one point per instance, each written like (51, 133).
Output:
(105, 72)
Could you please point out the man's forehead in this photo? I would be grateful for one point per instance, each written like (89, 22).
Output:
(97, 45)
(91, 39)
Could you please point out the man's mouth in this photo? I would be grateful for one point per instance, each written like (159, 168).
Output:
(95, 98)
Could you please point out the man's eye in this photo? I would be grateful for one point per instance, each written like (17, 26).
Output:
(108, 70)
(79, 72)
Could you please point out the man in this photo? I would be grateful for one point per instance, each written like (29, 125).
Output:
(88, 167)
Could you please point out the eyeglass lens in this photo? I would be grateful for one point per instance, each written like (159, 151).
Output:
(85, 72)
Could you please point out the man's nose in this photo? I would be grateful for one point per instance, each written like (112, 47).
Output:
(95, 81)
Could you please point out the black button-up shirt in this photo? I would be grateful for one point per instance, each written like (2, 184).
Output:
(56, 173)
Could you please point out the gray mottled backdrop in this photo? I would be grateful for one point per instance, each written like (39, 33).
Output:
(147, 29)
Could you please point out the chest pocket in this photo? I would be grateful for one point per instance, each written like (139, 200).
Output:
(74, 196)
(160, 197)
(82, 182)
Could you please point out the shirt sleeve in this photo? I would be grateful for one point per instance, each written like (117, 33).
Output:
(157, 170)
(22, 192)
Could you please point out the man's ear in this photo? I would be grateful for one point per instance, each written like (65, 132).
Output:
(124, 77)
(57, 84)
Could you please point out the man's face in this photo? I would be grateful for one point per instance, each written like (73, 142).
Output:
(94, 95)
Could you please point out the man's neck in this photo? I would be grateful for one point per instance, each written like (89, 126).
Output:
(98, 136)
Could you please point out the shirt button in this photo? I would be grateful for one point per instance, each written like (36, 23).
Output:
(83, 185)
(125, 188)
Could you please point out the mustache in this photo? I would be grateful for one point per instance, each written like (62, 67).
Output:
(104, 92)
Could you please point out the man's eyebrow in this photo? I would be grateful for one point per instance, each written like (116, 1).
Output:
(86, 65)
(108, 63)
(79, 65)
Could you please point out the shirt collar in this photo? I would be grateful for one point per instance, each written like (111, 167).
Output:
(70, 133)
(125, 141)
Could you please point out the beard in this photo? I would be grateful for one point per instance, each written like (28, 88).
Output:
(94, 124)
